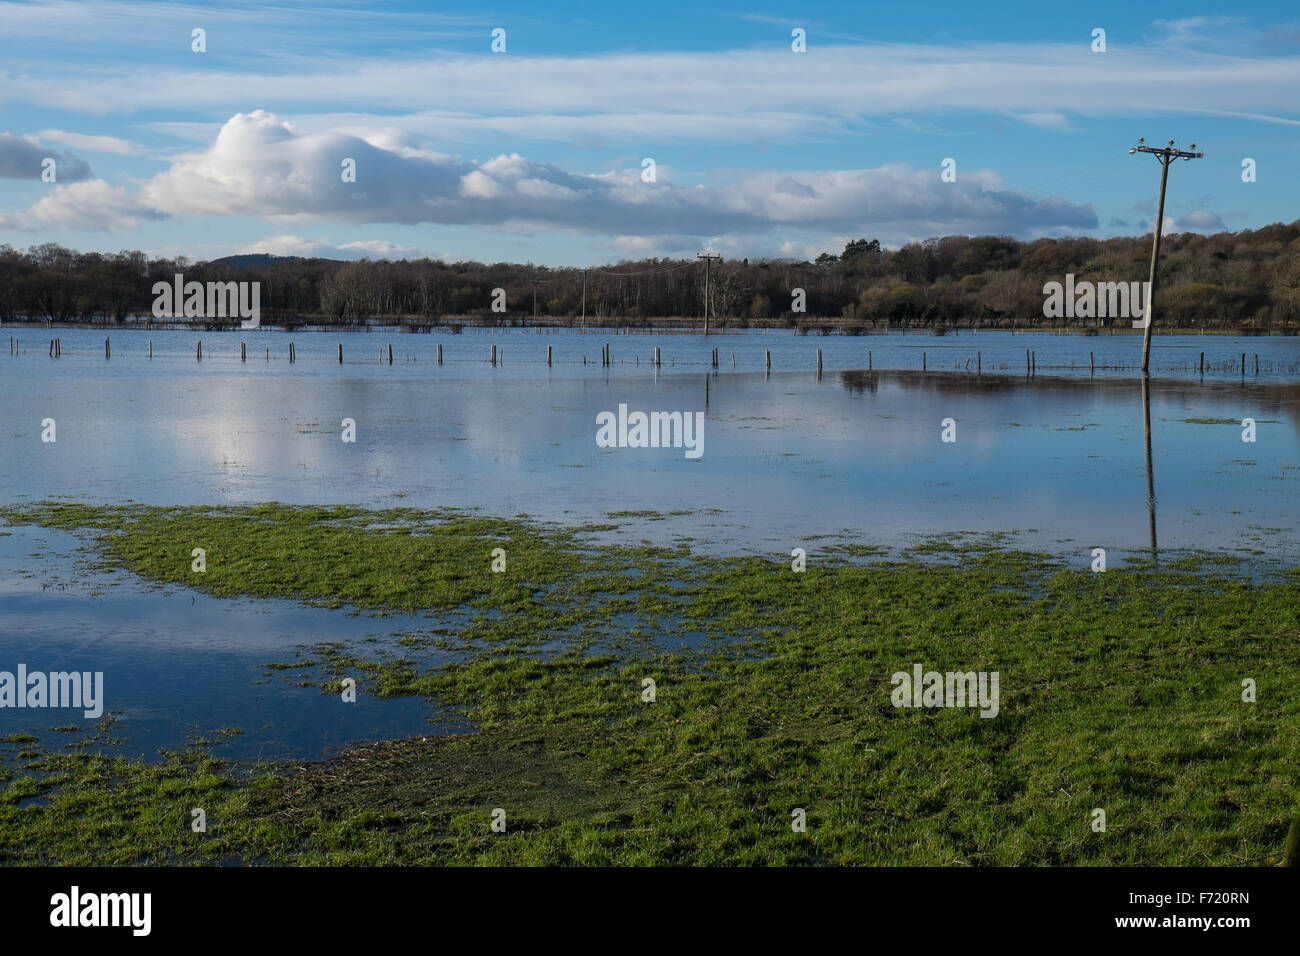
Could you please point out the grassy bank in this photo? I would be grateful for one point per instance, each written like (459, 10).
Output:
(1120, 691)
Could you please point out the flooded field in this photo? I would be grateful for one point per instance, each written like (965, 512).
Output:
(1056, 458)
(1057, 461)
(522, 352)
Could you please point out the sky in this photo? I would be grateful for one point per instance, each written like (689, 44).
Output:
(599, 132)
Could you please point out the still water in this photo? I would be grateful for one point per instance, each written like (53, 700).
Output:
(1056, 457)
(180, 667)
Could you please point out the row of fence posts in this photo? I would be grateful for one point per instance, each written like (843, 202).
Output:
(497, 356)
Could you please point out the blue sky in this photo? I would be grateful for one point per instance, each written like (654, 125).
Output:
(536, 153)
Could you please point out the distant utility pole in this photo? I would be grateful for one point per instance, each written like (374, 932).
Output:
(584, 298)
(1165, 155)
(708, 261)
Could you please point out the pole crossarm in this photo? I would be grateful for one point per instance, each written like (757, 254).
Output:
(1167, 152)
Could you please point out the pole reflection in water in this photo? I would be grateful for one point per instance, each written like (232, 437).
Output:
(1151, 487)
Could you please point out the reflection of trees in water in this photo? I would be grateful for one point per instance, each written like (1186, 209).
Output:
(1274, 400)
(1288, 402)
(952, 382)
(859, 382)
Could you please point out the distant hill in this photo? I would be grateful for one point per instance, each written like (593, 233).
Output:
(261, 259)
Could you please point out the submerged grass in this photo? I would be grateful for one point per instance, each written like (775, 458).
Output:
(1120, 690)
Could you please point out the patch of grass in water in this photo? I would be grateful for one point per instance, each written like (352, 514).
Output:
(1225, 421)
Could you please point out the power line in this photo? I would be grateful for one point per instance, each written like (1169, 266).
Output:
(1030, 190)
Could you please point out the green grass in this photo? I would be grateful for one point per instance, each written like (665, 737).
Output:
(1119, 690)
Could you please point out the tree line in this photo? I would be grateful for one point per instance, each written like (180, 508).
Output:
(1242, 280)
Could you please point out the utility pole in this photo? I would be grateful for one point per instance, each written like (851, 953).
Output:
(584, 298)
(1164, 155)
(708, 261)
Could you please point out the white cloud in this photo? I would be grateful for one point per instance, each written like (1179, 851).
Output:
(541, 189)
(93, 144)
(94, 206)
(324, 248)
(259, 165)
(1053, 119)
(636, 246)
(378, 249)
(714, 95)
(1202, 219)
(479, 185)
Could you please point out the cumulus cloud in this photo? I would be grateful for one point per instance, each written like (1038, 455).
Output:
(260, 165)
(22, 158)
(94, 206)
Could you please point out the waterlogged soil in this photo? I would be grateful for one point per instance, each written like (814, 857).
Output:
(1160, 693)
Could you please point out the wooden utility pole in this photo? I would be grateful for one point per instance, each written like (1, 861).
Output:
(1164, 155)
(708, 261)
(584, 298)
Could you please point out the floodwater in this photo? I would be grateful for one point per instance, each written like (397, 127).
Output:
(465, 354)
(179, 666)
(1059, 459)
